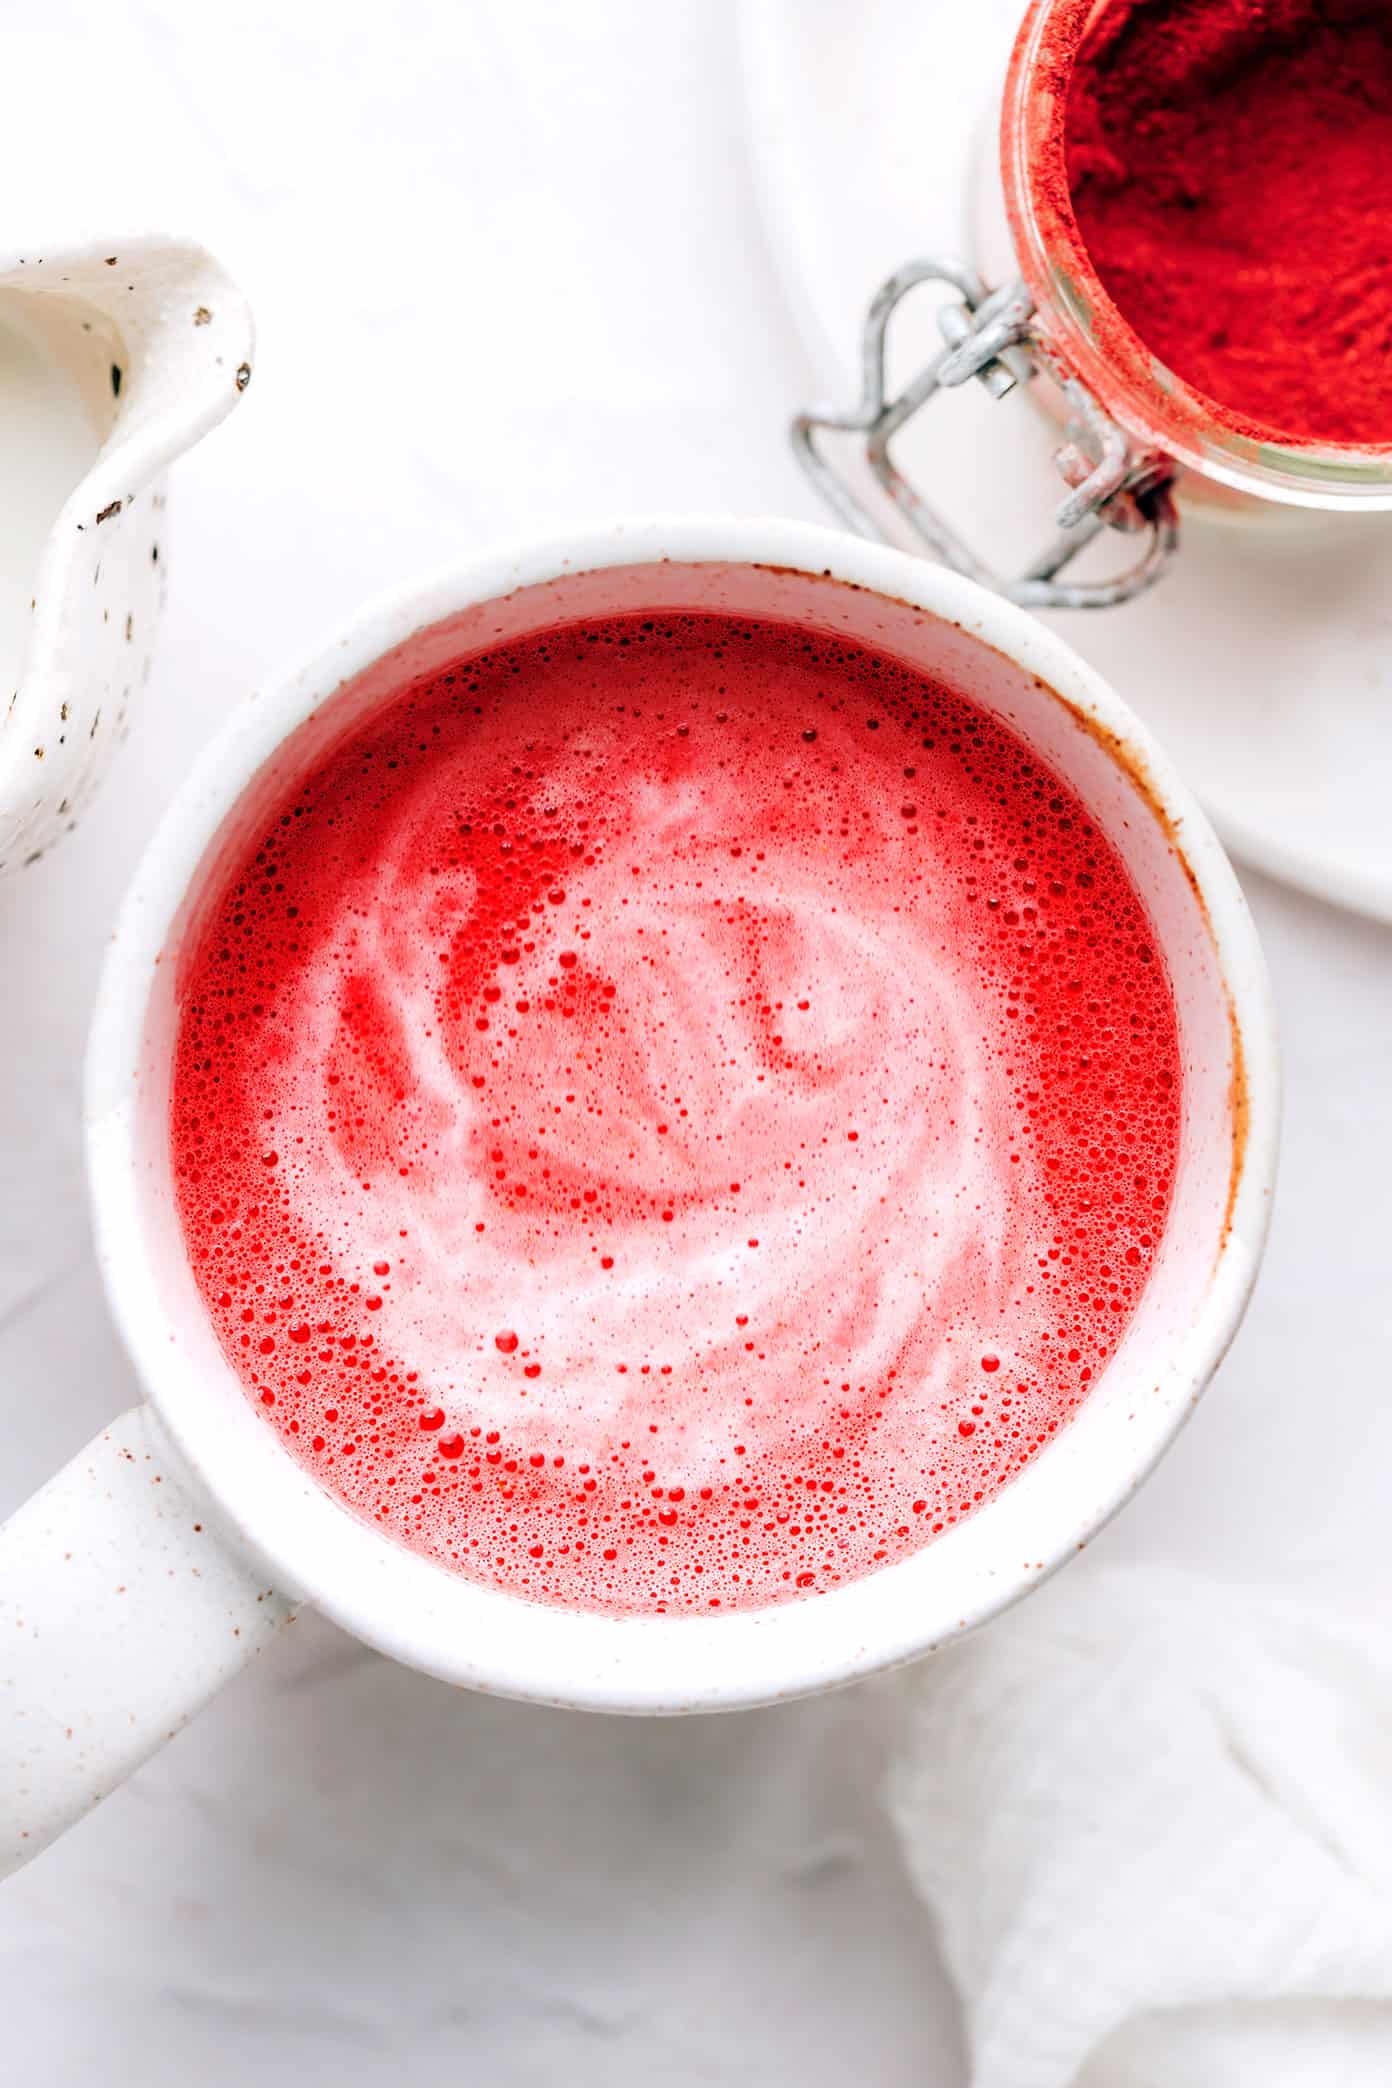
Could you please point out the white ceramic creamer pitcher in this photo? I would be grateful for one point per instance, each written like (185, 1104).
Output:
(116, 355)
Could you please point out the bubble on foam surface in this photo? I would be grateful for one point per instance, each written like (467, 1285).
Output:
(673, 1113)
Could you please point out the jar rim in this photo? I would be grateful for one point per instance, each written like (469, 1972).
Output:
(1155, 406)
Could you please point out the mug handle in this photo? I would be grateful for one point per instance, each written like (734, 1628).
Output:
(121, 1612)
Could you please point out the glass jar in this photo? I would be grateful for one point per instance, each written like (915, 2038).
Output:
(1157, 409)
(1135, 433)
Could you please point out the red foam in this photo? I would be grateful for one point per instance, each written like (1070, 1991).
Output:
(674, 1113)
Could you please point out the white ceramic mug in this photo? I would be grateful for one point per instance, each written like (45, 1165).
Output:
(174, 1546)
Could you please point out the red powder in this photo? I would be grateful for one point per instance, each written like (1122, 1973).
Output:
(1230, 170)
(673, 1113)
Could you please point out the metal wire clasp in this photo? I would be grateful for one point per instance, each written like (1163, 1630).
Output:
(991, 336)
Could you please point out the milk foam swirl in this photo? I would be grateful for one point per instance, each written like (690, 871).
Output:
(673, 1114)
(791, 1031)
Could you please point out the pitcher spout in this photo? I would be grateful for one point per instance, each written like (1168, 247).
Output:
(115, 357)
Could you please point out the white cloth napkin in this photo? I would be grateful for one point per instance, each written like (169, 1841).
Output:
(1153, 1817)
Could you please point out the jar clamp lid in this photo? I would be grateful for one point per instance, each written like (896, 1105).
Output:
(992, 337)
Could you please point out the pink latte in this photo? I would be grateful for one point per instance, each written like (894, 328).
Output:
(673, 1113)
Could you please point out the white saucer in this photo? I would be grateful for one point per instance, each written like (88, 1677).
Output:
(1264, 659)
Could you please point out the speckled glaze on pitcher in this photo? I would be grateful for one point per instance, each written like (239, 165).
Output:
(116, 355)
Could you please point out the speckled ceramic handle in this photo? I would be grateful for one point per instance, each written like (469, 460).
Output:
(120, 1615)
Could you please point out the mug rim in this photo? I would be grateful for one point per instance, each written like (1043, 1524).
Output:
(465, 1631)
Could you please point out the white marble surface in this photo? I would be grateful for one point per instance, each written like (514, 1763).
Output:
(508, 272)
